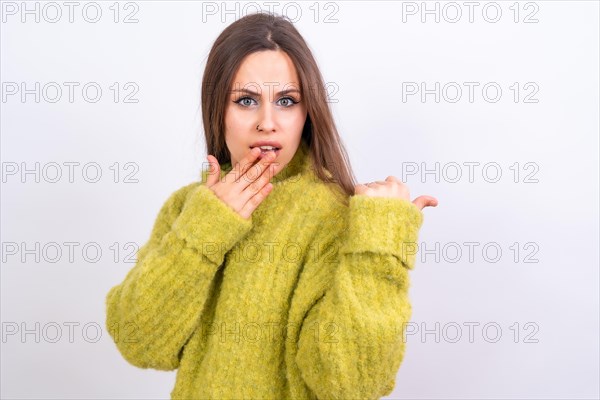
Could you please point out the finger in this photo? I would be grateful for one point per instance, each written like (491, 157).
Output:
(254, 201)
(214, 171)
(379, 182)
(392, 179)
(425, 201)
(258, 184)
(257, 171)
(246, 163)
(360, 188)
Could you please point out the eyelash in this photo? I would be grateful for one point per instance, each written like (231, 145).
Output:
(238, 101)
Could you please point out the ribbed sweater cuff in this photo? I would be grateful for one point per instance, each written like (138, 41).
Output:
(209, 225)
(383, 225)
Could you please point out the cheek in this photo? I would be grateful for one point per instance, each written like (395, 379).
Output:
(235, 125)
(295, 119)
(231, 120)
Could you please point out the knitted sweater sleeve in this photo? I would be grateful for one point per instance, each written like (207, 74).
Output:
(154, 311)
(351, 341)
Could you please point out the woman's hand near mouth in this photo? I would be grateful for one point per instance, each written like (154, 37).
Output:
(247, 184)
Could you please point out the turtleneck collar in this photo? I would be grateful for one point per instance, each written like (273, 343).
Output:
(300, 163)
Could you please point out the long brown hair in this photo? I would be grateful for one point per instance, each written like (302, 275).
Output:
(258, 32)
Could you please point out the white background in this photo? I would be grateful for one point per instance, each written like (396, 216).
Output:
(367, 57)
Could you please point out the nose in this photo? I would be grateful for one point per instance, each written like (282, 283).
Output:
(266, 120)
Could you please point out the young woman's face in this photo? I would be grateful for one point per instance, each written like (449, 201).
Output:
(265, 93)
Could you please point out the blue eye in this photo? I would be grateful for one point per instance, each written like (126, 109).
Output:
(239, 101)
(290, 102)
(246, 101)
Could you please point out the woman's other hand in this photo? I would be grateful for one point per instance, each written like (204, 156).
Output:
(393, 187)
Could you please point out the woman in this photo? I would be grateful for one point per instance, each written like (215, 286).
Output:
(275, 276)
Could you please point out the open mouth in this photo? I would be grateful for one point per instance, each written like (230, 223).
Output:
(264, 150)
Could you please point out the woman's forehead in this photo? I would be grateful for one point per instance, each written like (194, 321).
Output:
(267, 69)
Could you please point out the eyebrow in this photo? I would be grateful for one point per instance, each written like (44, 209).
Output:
(286, 91)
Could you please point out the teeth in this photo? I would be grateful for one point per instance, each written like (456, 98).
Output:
(268, 148)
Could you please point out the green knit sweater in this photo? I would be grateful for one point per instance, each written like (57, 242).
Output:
(308, 298)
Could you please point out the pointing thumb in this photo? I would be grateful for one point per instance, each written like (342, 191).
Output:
(214, 171)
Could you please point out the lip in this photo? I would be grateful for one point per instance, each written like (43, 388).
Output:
(264, 153)
(266, 143)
